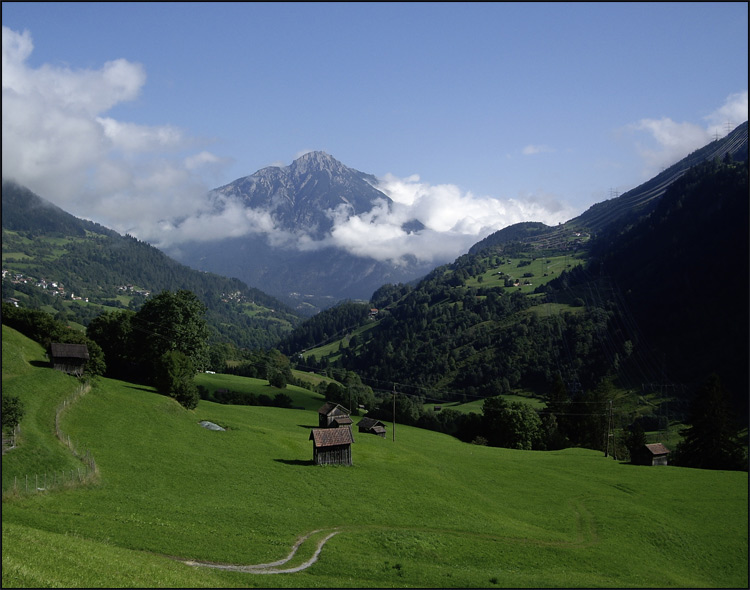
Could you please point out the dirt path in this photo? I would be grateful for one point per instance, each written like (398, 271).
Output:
(586, 535)
(272, 568)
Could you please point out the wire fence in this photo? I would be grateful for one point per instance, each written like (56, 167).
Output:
(64, 478)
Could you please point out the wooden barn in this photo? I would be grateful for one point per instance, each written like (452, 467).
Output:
(69, 358)
(651, 454)
(332, 446)
(331, 415)
(371, 426)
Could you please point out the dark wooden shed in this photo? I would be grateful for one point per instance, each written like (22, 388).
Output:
(650, 454)
(371, 426)
(331, 415)
(332, 446)
(69, 358)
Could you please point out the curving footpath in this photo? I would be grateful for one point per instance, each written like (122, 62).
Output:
(272, 568)
(586, 536)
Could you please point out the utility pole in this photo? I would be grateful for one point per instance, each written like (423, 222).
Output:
(612, 422)
(609, 428)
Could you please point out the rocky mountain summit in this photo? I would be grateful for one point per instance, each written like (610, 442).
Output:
(303, 201)
(301, 196)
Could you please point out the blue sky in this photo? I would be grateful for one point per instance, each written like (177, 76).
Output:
(477, 115)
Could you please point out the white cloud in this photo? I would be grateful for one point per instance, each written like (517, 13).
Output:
(453, 220)
(668, 141)
(58, 141)
(531, 150)
(730, 114)
(132, 138)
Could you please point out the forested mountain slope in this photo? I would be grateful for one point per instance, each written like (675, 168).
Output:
(683, 274)
(93, 269)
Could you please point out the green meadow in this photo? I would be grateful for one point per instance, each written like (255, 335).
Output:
(536, 271)
(423, 510)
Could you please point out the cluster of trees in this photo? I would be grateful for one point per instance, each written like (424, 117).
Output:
(565, 422)
(261, 364)
(243, 398)
(324, 326)
(164, 343)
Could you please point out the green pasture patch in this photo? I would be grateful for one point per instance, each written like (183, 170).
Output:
(331, 348)
(546, 310)
(313, 378)
(14, 256)
(543, 269)
(423, 510)
(301, 397)
(476, 406)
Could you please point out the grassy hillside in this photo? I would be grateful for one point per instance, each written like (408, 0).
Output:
(424, 510)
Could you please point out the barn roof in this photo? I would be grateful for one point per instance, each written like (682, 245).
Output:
(332, 409)
(343, 420)
(369, 423)
(80, 351)
(330, 437)
(657, 449)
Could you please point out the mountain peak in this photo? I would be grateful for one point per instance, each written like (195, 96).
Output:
(316, 161)
(300, 196)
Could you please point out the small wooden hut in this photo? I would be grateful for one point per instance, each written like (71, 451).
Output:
(331, 415)
(650, 454)
(371, 426)
(332, 446)
(69, 358)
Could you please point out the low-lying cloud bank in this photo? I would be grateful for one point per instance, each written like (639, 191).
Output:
(154, 182)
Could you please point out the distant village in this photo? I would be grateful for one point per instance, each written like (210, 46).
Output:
(57, 289)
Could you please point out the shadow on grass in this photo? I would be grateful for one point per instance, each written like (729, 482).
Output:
(308, 426)
(294, 461)
(149, 389)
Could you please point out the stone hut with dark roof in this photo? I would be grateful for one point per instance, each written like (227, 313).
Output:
(69, 358)
(650, 454)
(331, 415)
(332, 446)
(371, 426)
